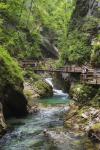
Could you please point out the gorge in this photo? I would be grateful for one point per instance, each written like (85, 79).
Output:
(54, 102)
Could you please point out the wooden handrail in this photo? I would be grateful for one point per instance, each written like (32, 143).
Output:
(91, 76)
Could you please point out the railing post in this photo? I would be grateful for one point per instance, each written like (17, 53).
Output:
(74, 69)
(96, 79)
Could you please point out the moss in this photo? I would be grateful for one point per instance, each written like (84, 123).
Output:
(82, 94)
(29, 73)
(95, 55)
(43, 88)
(90, 23)
(78, 48)
(83, 29)
(96, 127)
(11, 86)
(10, 72)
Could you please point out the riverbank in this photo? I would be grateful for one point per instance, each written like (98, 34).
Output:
(84, 118)
(72, 123)
(44, 130)
(84, 113)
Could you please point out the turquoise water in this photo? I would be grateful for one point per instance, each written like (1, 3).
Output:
(44, 130)
(53, 101)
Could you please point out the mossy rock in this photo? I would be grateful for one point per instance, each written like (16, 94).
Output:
(96, 127)
(43, 88)
(94, 132)
(11, 86)
(82, 94)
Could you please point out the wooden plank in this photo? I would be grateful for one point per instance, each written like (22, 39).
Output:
(92, 77)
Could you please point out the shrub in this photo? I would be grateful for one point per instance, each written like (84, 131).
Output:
(82, 94)
(78, 49)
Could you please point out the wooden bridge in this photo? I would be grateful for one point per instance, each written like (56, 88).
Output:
(91, 77)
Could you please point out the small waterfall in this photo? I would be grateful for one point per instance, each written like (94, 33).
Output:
(56, 91)
(49, 80)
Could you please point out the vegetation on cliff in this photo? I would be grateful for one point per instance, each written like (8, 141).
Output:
(31, 30)
(10, 72)
(12, 99)
(82, 94)
(83, 46)
(83, 38)
(11, 84)
(27, 27)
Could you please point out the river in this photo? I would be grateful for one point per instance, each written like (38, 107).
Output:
(44, 130)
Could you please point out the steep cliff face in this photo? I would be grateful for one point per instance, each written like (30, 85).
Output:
(12, 100)
(86, 8)
(85, 19)
(84, 30)
(86, 16)
(83, 42)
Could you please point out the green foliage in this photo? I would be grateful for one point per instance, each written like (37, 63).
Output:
(29, 73)
(96, 100)
(82, 94)
(16, 37)
(96, 127)
(90, 23)
(95, 55)
(10, 72)
(83, 28)
(24, 24)
(77, 50)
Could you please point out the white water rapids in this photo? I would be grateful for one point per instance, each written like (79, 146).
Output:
(56, 91)
(28, 133)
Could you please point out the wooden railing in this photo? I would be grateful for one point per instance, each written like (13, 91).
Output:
(91, 77)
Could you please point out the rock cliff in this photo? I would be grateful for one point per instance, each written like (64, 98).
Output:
(12, 100)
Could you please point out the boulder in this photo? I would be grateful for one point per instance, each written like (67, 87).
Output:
(94, 132)
(11, 86)
(82, 94)
(43, 88)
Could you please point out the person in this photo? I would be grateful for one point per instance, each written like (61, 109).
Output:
(86, 69)
(50, 67)
(84, 72)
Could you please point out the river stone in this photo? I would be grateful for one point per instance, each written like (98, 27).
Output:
(43, 89)
(94, 132)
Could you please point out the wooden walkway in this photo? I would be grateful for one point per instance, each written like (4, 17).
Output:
(92, 77)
